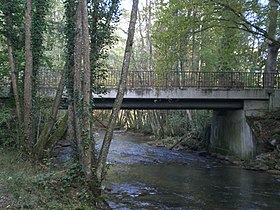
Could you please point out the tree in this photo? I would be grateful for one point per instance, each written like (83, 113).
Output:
(273, 43)
(266, 27)
(28, 78)
(121, 90)
(8, 19)
(242, 26)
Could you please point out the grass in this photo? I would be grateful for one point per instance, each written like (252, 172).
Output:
(25, 185)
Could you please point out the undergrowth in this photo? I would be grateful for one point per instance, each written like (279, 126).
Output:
(25, 185)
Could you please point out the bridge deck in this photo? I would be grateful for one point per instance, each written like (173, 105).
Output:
(177, 90)
(188, 98)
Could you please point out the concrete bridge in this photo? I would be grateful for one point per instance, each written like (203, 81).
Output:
(189, 90)
(233, 96)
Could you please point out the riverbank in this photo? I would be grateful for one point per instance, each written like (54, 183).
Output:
(268, 153)
(25, 185)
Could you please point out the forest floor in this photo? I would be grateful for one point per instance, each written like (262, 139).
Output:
(26, 185)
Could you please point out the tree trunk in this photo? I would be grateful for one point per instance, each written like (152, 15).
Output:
(273, 45)
(149, 39)
(121, 89)
(77, 80)
(87, 111)
(71, 131)
(45, 134)
(14, 80)
(271, 64)
(9, 24)
(28, 78)
(58, 133)
(159, 131)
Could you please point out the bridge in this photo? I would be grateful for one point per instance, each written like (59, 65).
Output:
(189, 90)
(179, 90)
(233, 96)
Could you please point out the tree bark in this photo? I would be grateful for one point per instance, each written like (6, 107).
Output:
(87, 112)
(48, 127)
(121, 90)
(149, 39)
(14, 79)
(77, 79)
(58, 133)
(272, 46)
(28, 78)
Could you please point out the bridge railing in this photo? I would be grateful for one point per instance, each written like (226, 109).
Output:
(228, 80)
(49, 79)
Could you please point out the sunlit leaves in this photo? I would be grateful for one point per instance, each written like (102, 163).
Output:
(224, 35)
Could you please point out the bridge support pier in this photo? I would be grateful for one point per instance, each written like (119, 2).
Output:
(231, 134)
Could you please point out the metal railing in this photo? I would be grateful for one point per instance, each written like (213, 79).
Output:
(226, 80)
(49, 79)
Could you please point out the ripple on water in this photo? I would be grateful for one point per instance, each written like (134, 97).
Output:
(144, 177)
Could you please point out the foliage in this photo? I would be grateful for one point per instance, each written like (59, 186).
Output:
(54, 38)
(209, 35)
(12, 11)
(103, 19)
(8, 128)
(28, 186)
(38, 29)
(178, 123)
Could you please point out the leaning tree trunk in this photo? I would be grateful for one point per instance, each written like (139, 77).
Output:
(101, 165)
(28, 78)
(40, 146)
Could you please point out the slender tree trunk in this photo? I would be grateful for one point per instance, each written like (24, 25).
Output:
(77, 79)
(149, 40)
(159, 126)
(193, 45)
(12, 62)
(121, 89)
(71, 131)
(14, 81)
(87, 111)
(28, 78)
(48, 127)
(189, 114)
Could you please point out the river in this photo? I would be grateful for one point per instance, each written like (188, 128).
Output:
(145, 177)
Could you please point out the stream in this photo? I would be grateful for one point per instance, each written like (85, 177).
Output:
(145, 177)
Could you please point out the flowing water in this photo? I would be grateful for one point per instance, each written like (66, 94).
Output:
(145, 177)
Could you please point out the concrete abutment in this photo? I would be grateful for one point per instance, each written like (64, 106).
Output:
(230, 132)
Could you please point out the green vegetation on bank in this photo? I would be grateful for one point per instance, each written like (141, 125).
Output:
(25, 185)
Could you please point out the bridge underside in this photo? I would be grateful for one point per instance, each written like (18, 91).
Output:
(140, 103)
